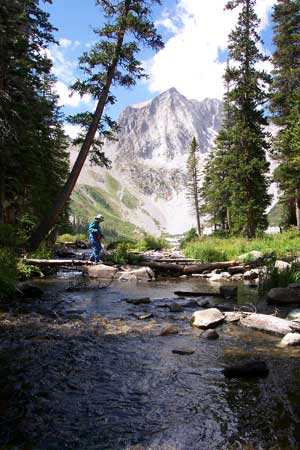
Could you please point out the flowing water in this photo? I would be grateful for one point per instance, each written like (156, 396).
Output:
(91, 374)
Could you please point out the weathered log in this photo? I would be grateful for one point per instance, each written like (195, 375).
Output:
(163, 267)
(55, 262)
(198, 268)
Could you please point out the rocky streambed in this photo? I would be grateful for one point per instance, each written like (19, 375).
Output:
(99, 365)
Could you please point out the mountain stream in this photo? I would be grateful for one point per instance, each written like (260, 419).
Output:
(83, 369)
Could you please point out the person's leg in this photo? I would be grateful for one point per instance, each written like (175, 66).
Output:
(92, 244)
(97, 248)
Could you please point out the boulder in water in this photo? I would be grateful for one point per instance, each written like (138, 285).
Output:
(283, 296)
(290, 339)
(208, 318)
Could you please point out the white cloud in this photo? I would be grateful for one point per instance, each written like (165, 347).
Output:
(72, 130)
(66, 99)
(63, 42)
(190, 59)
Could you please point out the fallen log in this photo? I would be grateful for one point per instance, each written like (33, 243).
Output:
(198, 268)
(163, 267)
(55, 262)
(180, 269)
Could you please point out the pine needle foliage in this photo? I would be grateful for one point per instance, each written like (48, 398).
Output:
(237, 171)
(285, 101)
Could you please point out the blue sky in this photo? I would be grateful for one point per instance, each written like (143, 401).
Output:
(195, 35)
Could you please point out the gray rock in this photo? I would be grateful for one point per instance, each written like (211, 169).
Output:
(138, 301)
(233, 316)
(271, 324)
(210, 334)
(252, 274)
(294, 315)
(100, 271)
(175, 308)
(143, 316)
(209, 318)
(283, 296)
(282, 266)
(168, 329)
(290, 339)
(250, 256)
(219, 277)
(141, 274)
(183, 351)
(228, 291)
(192, 304)
(294, 286)
(249, 369)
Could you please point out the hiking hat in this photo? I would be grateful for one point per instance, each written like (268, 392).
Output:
(99, 217)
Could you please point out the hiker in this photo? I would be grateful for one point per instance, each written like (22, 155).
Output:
(95, 236)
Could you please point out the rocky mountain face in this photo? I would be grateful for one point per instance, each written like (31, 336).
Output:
(161, 130)
(149, 158)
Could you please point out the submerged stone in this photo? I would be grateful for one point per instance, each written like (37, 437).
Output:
(175, 307)
(249, 369)
(168, 329)
(138, 301)
(183, 351)
(210, 335)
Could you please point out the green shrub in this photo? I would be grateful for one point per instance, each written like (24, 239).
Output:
(189, 236)
(122, 255)
(150, 242)
(27, 271)
(280, 278)
(7, 274)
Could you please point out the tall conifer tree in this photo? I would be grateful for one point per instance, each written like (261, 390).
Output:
(193, 185)
(285, 100)
(33, 160)
(243, 141)
(112, 61)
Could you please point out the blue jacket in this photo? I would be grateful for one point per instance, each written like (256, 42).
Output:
(95, 229)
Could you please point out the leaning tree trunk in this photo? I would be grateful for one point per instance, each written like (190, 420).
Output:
(51, 218)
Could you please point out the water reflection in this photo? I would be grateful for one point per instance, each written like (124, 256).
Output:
(126, 389)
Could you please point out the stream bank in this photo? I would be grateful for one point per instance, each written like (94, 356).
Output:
(83, 369)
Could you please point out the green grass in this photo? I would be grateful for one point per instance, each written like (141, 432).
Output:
(280, 278)
(213, 249)
(129, 200)
(63, 238)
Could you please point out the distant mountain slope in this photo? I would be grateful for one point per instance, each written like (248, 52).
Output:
(149, 164)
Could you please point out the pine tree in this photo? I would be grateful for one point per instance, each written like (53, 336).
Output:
(112, 61)
(285, 98)
(33, 162)
(216, 189)
(193, 184)
(246, 138)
